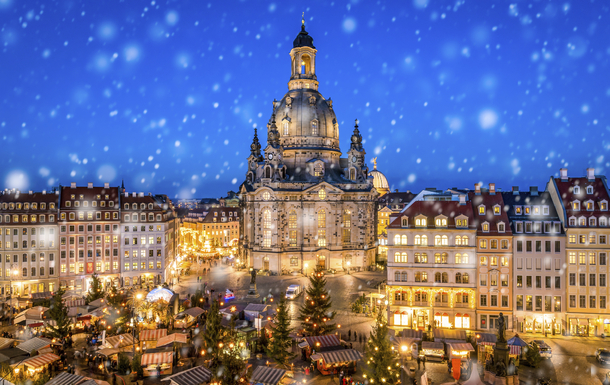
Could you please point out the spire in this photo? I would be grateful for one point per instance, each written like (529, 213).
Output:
(303, 39)
(123, 185)
(273, 136)
(356, 138)
(255, 147)
(375, 163)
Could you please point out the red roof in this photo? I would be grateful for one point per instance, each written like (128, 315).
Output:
(566, 192)
(489, 201)
(431, 209)
(157, 358)
(89, 194)
(324, 341)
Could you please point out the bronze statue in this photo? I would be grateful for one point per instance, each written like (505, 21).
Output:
(501, 328)
(253, 277)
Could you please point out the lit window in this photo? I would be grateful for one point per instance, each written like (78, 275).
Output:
(481, 210)
(322, 194)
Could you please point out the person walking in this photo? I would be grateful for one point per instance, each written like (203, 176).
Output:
(423, 360)
(349, 335)
(418, 362)
(355, 335)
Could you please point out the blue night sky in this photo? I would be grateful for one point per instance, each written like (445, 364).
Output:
(165, 94)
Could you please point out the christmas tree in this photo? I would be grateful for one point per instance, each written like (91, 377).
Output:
(58, 312)
(381, 359)
(214, 334)
(96, 290)
(315, 314)
(281, 342)
(231, 368)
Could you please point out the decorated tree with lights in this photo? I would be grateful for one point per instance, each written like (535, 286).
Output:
(58, 312)
(231, 368)
(96, 290)
(383, 367)
(315, 314)
(213, 337)
(281, 342)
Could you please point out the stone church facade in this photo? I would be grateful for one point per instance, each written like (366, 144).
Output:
(303, 205)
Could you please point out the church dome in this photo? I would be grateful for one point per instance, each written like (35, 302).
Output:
(303, 39)
(380, 182)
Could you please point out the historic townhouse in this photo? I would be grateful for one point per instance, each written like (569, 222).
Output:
(390, 204)
(221, 226)
(582, 206)
(28, 243)
(145, 237)
(89, 235)
(431, 264)
(539, 300)
(494, 258)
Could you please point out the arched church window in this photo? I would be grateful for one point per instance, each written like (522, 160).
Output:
(266, 228)
(352, 174)
(347, 227)
(322, 228)
(267, 172)
(292, 228)
(285, 126)
(314, 127)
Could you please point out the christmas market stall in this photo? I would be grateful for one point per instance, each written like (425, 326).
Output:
(122, 341)
(34, 344)
(434, 351)
(149, 338)
(266, 375)
(35, 364)
(6, 343)
(485, 345)
(311, 345)
(170, 339)
(516, 345)
(406, 347)
(188, 317)
(460, 350)
(337, 360)
(32, 315)
(194, 376)
(153, 362)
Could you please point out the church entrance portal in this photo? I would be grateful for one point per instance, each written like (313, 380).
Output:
(321, 262)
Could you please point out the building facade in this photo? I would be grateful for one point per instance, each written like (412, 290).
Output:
(145, 239)
(28, 243)
(494, 258)
(582, 206)
(89, 236)
(539, 285)
(303, 206)
(432, 265)
(221, 227)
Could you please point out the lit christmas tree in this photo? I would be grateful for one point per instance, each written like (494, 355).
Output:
(383, 367)
(315, 314)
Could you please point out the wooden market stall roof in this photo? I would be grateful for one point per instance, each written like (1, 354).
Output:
(120, 341)
(152, 335)
(194, 376)
(6, 342)
(432, 345)
(40, 360)
(157, 358)
(267, 376)
(461, 347)
(338, 356)
(448, 334)
(65, 378)
(171, 338)
(34, 344)
(194, 311)
(325, 341)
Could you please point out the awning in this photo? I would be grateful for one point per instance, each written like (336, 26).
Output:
(66, 378)
(326, 341)
(45, 350)
(5, 342)
(194, 376)
(267, 376)
(42, 295)
(171, 338)
(107, 352)
(583, 322)
(84, 318)
(463, 347)
(194, 311)
(38, 361)
(486, 339)
(120, 341)
(74, 302)
(411, 333)
(448, 334)
(515, 349)
(432, 345)
(36, 324)
(338, 356)
(34, 344)
(152, 335)
(157, 358)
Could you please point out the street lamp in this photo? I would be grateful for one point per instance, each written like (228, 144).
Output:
(306, 266)
(348, 264)
(133, 320)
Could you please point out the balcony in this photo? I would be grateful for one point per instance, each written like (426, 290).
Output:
(461, 304)
(421, 303)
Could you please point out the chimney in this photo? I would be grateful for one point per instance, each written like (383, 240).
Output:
(515, 190)
(89, 185)
(149, 194)
(462, 199)
(30, 192)
(591, 174)
(126, 194)
(140, 195)
(44, 192)
(106, 185)
(133, 195)
(477, 188)
(534, 190)
(56, 192)
(492, 189)
(73, 185)
(563, 173)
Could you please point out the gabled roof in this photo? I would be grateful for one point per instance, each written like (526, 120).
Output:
(430, 209)
(489, 201)
(565, 190)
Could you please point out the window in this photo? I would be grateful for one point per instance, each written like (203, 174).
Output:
(481, 210)
(483, 279)
(582, 258)
(592, 280)
(421, 258)
(602, 280)
(520, 246)
(582, 279)
(422, 222)
(266, 229)
(519, 227)
(602, 239)
(592, 302)
(501, 227)
(494, 244)
(504, 301)
(602, 259)
(292, 225)
(602, 301)
(483, 302)
(496, 210)
(314, 127)
(483, 243)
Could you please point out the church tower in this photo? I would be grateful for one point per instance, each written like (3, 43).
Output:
(303, 205)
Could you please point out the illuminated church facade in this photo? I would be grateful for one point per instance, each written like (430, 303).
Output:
(304, 206)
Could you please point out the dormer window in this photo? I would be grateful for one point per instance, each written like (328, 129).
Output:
(314, 127)
(318, 170)
(497, 210)
(405, 222)
(518, 210)
(592, 222)
(603, 222)
(536, 210)
(576, 190)
(572, 221)
(441, 222)
(421, 222)
(582, 221)
(481, 210)
(501, 227)
(589, 205)
(603, 206)
(589, 189)
(461, 222)
(528, 210)
(545, 210)
(485, 227)
(26, 206)
(576, 206)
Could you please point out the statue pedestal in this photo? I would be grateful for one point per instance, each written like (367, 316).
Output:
(252, 292)
(501, 353)
(491, 379)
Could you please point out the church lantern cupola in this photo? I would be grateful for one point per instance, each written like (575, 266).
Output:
(303, 55)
